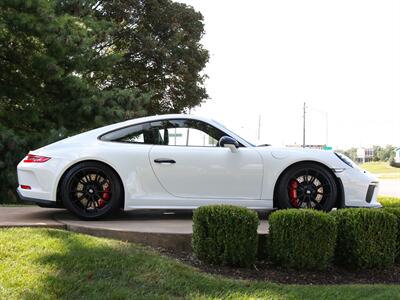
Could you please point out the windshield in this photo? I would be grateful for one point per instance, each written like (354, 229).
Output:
(230, 131)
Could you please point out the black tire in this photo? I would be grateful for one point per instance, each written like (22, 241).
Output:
(91, 190)
(307, 185)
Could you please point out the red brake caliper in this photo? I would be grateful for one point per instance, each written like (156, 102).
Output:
(105, 196)
(293, 193)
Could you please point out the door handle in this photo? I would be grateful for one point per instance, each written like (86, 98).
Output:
(164, 161)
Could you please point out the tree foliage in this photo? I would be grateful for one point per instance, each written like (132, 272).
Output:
(383, 153)
(68, 65)
(351, 153)
(386, 153)
(159, 43)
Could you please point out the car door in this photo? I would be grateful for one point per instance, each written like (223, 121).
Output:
(191, 165)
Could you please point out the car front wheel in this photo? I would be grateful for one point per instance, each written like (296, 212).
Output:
(307, 185)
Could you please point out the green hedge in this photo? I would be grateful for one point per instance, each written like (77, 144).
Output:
(225, 235)
(396, 212)
(366, 238)
(302, 238)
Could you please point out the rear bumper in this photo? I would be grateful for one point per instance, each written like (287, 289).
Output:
(40, 202)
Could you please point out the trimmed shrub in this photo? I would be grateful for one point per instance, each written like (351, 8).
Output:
(366, 238)
(396, 212)
(225, 235)
(302, 238)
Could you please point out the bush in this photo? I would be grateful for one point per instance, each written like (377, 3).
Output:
(366, 238)
(225, 235)
(13, 148)
(302, 238)
(396, 212)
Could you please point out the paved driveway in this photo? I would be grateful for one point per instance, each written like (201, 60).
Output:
(29, 216)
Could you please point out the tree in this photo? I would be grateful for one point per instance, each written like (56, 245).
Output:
(49, 63)
(383, 154)
(159, 41)
(351, 153)
(160, 49)
(377, 152)
(68, 66)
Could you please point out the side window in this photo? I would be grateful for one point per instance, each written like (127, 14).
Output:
(134, 138)
(180, 132)
(136, 134)
(131, 134)
(187, 133)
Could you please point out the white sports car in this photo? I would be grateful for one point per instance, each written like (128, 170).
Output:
(182, 162)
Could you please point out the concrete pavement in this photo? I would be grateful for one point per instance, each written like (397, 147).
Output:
(170, 230)
(156, 221)
(28, 216)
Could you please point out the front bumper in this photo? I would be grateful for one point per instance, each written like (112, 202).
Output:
(360, 188)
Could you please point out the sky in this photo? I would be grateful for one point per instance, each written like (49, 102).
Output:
(269, 57)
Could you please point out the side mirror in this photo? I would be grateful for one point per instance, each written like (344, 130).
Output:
(231, 143)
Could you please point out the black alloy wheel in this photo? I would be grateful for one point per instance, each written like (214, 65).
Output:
(91, 190)
(307, 185)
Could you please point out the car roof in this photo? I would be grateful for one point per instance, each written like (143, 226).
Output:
(167, 116)
(155, 118)
(95, 133)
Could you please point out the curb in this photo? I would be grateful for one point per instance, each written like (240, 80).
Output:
(172, 241)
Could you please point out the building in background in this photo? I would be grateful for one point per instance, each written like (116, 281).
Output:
(364, 155)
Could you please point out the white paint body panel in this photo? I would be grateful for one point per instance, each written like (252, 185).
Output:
(209, 172)
(200, 176)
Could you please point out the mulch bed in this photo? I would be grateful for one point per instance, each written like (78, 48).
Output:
(266, 271)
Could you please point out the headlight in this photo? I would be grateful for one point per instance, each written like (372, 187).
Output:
(346, 160)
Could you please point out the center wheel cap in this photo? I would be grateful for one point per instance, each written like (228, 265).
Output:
(91, 191)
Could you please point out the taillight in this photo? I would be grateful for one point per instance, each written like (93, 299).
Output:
(30, 158)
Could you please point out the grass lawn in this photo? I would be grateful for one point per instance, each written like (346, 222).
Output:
(55, 264)
(389, 201)
(382, 169)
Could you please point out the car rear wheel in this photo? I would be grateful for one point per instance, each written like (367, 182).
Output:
(91, 190)
(307, 185)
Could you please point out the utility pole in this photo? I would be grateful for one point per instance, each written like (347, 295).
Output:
(259, 127)
(304, 125)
